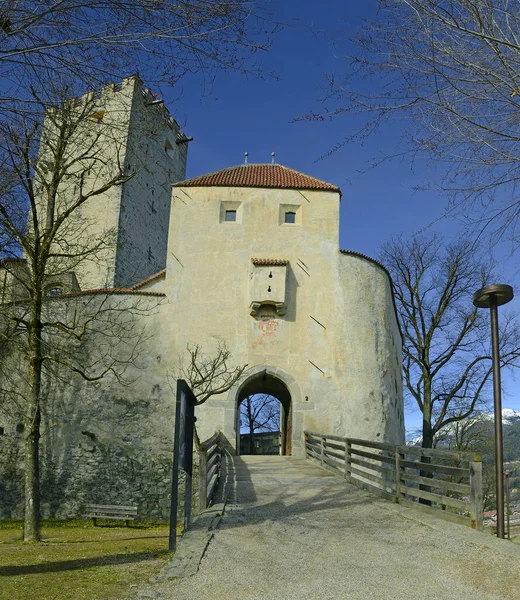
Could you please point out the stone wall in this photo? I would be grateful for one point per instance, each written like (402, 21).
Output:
(156, 155)
(104, 442)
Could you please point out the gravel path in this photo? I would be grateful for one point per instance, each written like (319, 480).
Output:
(290, 531)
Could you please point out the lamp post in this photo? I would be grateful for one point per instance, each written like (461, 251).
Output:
(492, 297)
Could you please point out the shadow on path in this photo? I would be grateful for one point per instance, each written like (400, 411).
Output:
(81, 563)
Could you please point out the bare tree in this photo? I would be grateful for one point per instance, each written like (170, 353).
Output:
(209, 374)
(49, 171)
(446, 354)
(259, 413)
(449, 71)
(95, 42)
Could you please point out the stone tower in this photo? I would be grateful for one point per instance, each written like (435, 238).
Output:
(133, 131)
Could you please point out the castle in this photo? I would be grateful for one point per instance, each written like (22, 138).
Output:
(247, 256)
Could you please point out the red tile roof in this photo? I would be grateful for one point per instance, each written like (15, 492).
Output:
(108, 292)
(149, 279)
(259, 175)
(271, 262)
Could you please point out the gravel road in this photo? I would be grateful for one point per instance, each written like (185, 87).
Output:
(293, 532)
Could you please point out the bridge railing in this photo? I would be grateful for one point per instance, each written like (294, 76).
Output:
(210, 458)
(448, 483)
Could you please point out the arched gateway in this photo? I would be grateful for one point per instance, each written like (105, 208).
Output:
(272, 381)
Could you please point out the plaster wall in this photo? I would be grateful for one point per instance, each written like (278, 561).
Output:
(108, 441)
(156, 154)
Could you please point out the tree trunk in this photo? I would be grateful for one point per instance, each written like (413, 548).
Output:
(31, 527)
(31, 531)
(427, 441)
(251, 435)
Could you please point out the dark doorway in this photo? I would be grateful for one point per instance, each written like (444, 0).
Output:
(266, 389)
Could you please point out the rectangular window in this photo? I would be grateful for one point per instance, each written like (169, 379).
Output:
(230, 211)
(290, 217)
(290, 214)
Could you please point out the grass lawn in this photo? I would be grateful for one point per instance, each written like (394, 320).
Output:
(76, 561)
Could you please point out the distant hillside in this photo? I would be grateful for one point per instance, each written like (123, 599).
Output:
(477, 433)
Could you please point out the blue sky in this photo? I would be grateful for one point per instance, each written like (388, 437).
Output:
(237, 114)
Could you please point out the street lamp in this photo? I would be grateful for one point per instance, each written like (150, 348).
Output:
(492, 297)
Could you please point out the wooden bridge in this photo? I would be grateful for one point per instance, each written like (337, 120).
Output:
(293, 529)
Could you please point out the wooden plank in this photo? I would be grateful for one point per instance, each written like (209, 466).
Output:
(212, 472)
(441, 484)
(337, 455)
(114, 513)
(212, 449)
(446, 500)
(335, 445)
(443, 514)
(215, 458)
(371, 477)
(366, 444)
(110, 517)
(371, 466)
(334, 466)
(386, 459)
(313, 454)
(338, 438)
(313, 436)
(313, 444)
(435, 468)
(398, 476)
(214, 439)
(211, 489)
(108, 506)
(203, 480)
(371, 488)
(445, 454)
(334, 462)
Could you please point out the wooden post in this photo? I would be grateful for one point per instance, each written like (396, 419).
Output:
(348, 456)
(203, 478)
(322, 451)
(476, 498)
(345, 466)
(399, 456)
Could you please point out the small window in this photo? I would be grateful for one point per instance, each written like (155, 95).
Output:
(20, 427)
(290, 217)
(2, 431)
(54, 291)
(231, 215)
